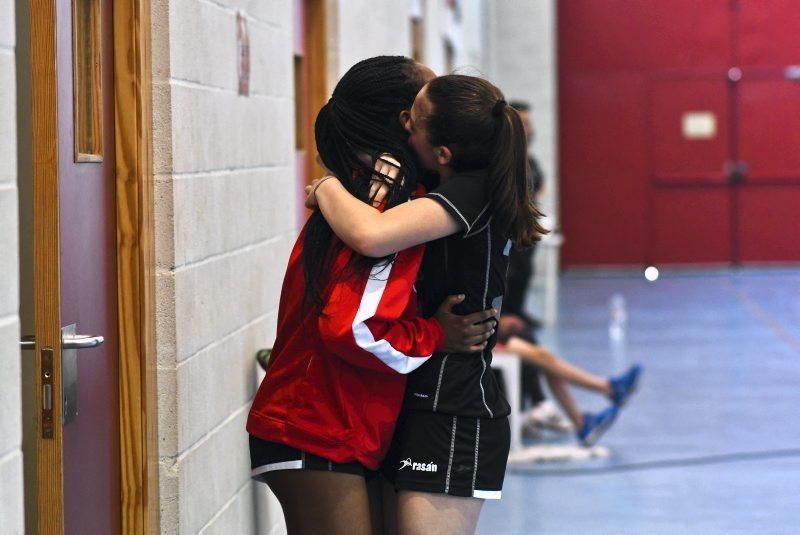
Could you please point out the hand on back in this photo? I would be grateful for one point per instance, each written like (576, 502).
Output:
(464, 334)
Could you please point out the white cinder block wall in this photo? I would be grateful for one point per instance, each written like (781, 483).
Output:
(470, 52)
(224, 184)
(365, 28)
(12, 513)
(521, 60)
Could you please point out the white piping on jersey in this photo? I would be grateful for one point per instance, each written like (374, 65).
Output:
(486, 291)
(471, 233)
(452, 452)
(488, 265)
(477, 442)
(477, 231)
(464, 219)
(483, 392)
(477, 217)
(439, 384)
(382, 349)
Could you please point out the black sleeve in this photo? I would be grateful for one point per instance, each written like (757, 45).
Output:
(465, 197)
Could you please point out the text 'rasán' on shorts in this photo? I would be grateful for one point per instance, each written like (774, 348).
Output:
(447, 454)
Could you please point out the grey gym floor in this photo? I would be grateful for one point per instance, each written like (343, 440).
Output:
(710, 443)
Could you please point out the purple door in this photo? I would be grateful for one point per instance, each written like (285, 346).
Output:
(87, 217)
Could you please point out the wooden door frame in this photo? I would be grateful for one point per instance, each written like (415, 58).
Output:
(316, 30)
(138, 422)
(135, 262)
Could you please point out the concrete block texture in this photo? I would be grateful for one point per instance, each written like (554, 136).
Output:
(271, 61)
(217, 130)
(367, 28)
(218, 380)
(162, 127)
(522, 61)
(212, 57)
(215, 297)
(159, 32)
(202, 43)
(7, 30)
(168, 492)
(269, 513)
(12, 511)
(255, 205)
(238, 515)
(9, 256)
(8, 113)
(275, 13)
(12, 516)
(10, 388)
(167, 393)
(165, 319)
(212, 472)
(163, 193)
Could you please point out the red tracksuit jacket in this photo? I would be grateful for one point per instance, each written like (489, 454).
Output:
(335, 383)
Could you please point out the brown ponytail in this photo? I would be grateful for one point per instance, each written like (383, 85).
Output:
(470, 116)
(510, 189)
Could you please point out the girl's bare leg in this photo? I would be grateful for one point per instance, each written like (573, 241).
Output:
(422, 513)
(321, 502)
(557, 367)
(565, 400)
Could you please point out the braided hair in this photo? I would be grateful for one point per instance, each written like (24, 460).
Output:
(361, 119)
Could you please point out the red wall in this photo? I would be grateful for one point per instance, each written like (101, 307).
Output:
(634, 189)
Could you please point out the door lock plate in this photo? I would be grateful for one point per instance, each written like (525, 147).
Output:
(47, 392)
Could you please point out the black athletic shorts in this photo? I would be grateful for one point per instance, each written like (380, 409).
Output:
(268, 456)
(446, 454)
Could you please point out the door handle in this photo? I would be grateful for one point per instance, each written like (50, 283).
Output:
(72, 341)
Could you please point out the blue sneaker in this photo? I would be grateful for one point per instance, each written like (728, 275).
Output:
(594, 425)
(623, 386)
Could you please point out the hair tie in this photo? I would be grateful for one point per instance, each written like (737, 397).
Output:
(499, 107)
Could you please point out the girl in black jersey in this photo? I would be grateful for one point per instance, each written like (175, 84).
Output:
(451, 445)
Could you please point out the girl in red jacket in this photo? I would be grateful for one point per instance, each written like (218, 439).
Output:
(348, 328)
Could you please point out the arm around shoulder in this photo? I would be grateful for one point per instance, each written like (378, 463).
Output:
(377, 234)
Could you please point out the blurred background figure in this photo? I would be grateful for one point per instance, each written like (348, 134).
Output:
(540, 413)
(588, 427)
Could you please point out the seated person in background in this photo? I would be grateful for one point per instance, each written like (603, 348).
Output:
(558, 372)
(543, 414)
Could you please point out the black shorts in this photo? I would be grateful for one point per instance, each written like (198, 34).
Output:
(446, 454)
(268, 456)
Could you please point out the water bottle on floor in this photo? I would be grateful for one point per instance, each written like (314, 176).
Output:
(618, 317)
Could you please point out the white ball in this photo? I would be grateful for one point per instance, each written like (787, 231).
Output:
(651, 273)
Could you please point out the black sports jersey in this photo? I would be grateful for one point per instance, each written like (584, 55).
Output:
(473, 263)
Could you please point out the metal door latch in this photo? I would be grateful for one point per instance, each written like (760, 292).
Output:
(70, 343)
